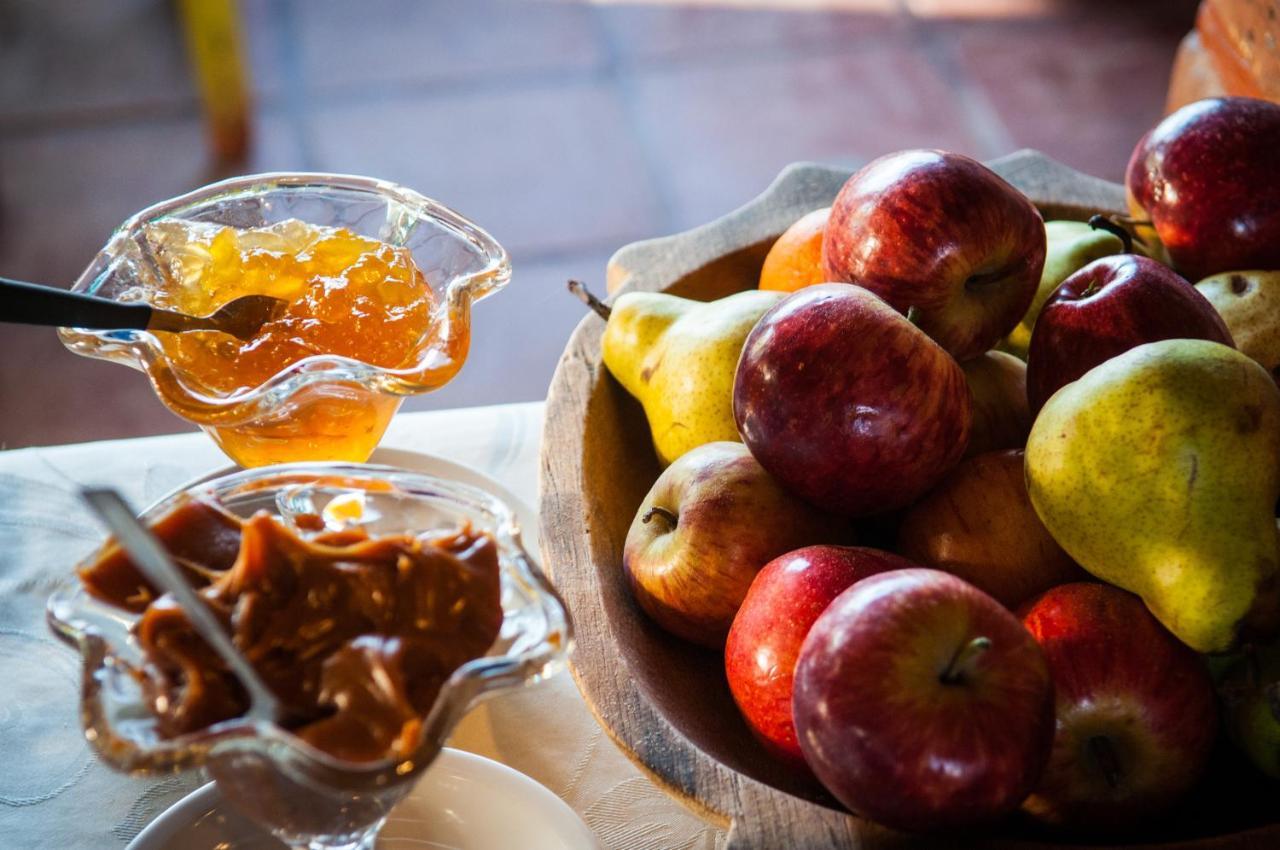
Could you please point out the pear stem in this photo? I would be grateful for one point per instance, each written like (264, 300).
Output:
(1105, 755)
(667, 515)
(585, 295)
(1101, 222)
(962, 662)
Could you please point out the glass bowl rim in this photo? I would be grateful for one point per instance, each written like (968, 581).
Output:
(471, 681)
(142, 349)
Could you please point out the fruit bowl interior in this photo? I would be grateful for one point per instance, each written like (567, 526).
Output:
(666, 703)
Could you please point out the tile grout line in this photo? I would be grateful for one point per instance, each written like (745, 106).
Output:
(295, 94)
(620, 79)
(979, 115)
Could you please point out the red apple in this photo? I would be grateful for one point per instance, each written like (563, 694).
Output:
(998, 389)
(979, 524)
(1136, 717)
(923, 704)
(1208, 177)
(1108, 307)
(847, 403)
(709, 523)
(942, 238)
(784, 600)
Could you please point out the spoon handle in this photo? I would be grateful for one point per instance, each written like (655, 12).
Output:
(150, 556)
(30, 304)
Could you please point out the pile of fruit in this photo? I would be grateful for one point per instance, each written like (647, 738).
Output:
(952, 584)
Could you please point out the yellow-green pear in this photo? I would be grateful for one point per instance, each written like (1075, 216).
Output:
(678, 358)
(1249, 302)
(1158, 471)
(1069, 247)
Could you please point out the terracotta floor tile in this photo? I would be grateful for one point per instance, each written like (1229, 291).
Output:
(545, 169)
(1081, 91)
(60, 203)
(519, 334)
(344, 45)
(676, 31)
(66, 60)
(723, 133)
(268, 46)
(63, 56)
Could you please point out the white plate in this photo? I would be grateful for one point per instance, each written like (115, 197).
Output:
(462, 802)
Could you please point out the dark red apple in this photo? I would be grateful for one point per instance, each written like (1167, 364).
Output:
(923, 704)
(1136, 717)
(710, 522)
(1208, 178)
(764, 641)
(942, 238)
(978, 524)
(847, 403)
(1108, 307)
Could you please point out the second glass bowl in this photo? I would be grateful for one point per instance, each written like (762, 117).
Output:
(323, 407)
(304, 796)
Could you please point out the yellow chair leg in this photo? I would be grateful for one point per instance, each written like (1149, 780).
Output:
(215, 51)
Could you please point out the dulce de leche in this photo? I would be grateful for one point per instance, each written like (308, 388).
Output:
(355, 634)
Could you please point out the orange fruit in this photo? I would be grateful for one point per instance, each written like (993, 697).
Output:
(795, 260)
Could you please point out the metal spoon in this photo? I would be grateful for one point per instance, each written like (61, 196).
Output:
(150, 557)
(31, 304)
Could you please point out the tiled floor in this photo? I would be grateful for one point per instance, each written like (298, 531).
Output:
(566, 127)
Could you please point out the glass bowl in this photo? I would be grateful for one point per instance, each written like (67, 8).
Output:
(323, 407)
(306, 797)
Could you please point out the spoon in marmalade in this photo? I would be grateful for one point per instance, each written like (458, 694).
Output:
(31, 304)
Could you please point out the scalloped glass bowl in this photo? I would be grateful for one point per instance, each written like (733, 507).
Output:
(304, 796)
(322, 407)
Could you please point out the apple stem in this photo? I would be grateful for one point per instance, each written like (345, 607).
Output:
(1101, 222)
(670, 517)
(1105, 755)
(585, 295)
(962, 662)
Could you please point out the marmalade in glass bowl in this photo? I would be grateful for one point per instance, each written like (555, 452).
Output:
(377, 280)
(347, 295)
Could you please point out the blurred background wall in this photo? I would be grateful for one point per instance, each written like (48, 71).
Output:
(566, 128)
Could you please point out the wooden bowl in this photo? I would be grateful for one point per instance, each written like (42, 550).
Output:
(665, 702)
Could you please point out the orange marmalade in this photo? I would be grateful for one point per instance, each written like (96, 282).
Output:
(347, 295)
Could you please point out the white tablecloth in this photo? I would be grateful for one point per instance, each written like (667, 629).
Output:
(55, 794)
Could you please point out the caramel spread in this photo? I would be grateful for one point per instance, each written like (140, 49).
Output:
(354, 634)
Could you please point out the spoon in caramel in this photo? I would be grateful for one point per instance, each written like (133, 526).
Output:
(30, 304)
(150, 557)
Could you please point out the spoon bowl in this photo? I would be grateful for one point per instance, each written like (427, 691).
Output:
(241, 317)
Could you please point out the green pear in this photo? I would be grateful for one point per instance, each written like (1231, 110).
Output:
(1249, 302)
(1158, 471)
(1249, 689)
(1069, 247)
(678, 357)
